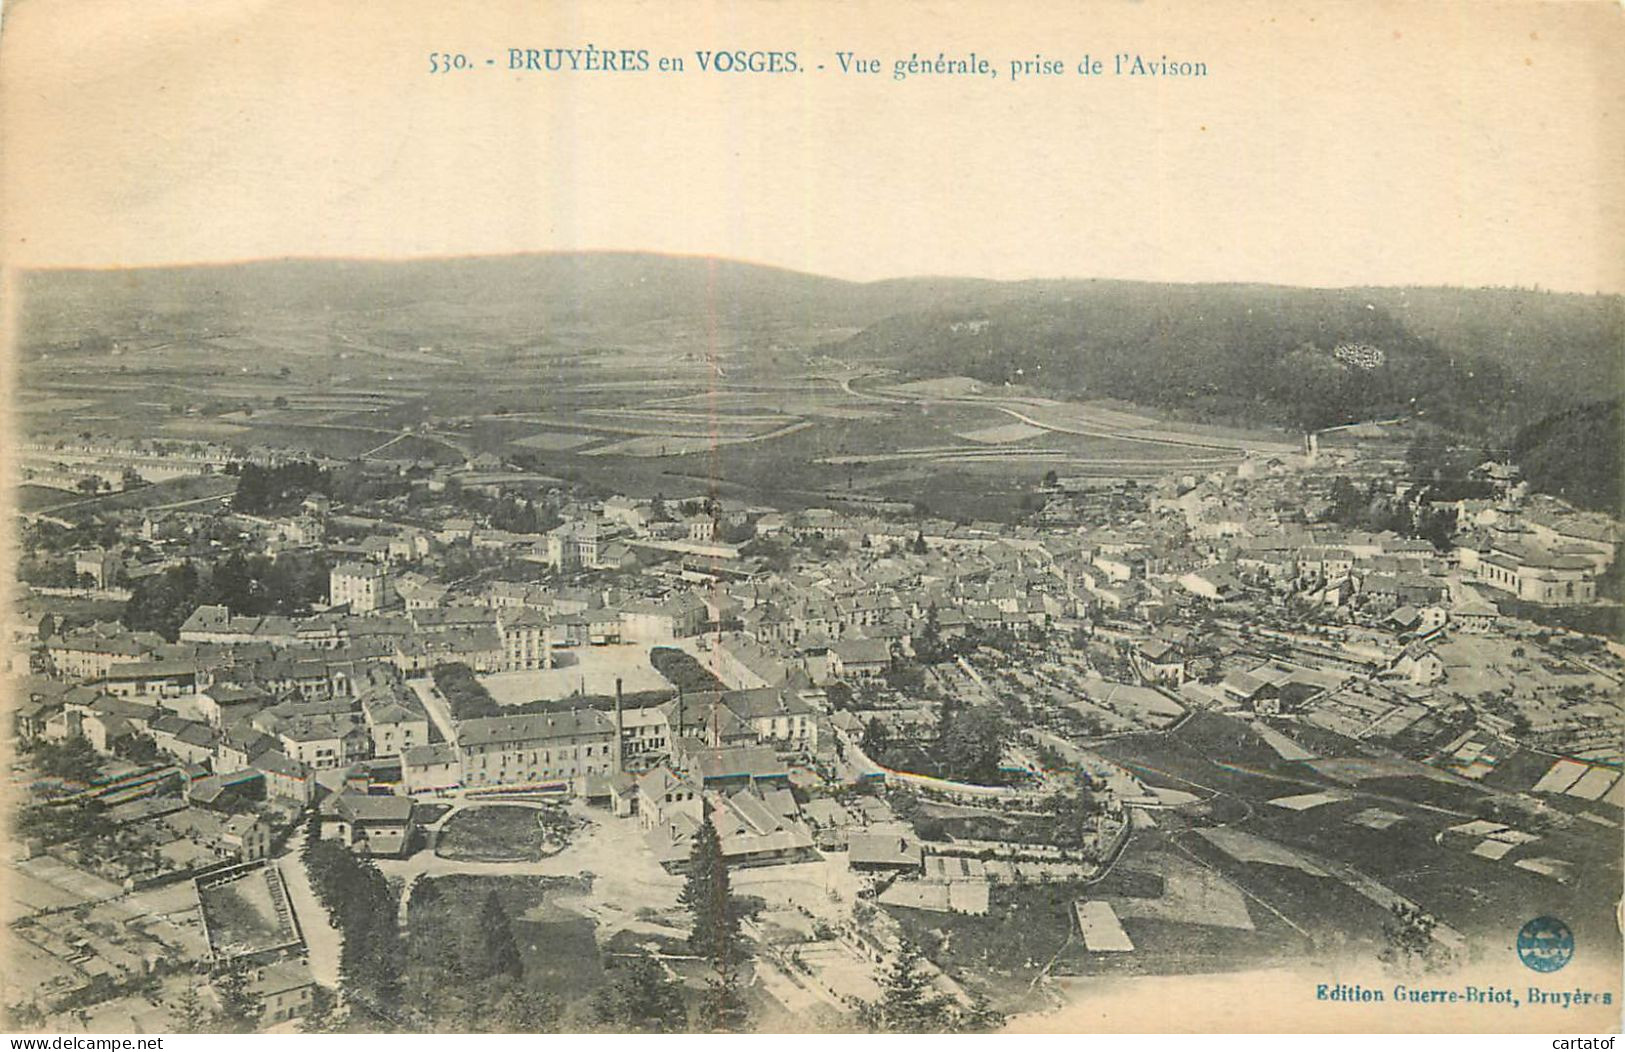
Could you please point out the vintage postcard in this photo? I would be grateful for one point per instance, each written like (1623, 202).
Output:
(942, 517)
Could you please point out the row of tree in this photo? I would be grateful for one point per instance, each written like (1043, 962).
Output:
(683, 670)
(250, 585)
(463, 691)
(363, 907)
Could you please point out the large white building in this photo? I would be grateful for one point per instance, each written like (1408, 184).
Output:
(536, 748)
(364, 587)
(527, 640)
(573, 546)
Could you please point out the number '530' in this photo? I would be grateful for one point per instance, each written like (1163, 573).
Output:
(440, 62)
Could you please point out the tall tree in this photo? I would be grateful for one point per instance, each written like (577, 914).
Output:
(313, 835)
(909, 1004)
(74, 760)
(370, 960)
(971, 743)
(191, 1015)
(875, 739)
(498, 954)
(715, 935)
(708, 896)
(981, 1016)
(1408, 942)
(321, 1017)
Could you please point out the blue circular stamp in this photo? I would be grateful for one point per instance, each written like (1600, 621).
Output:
(1545, 944)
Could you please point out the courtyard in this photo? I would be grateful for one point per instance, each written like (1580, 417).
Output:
(580, 671)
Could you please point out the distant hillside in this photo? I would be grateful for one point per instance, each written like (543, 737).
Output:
(1577, 455)
(1535, 337)
(1482, 362)
(1304, 358)
(489, 296)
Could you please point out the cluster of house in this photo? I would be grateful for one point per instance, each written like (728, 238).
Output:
(847, 620)
(1529, 546)
(243, 759)
(290, 697)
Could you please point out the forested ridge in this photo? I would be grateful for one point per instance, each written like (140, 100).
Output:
(1576, 454)
(1252, 354)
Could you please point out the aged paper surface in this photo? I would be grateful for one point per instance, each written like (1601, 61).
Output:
(947, 517)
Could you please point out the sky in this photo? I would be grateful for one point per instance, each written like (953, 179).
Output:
(1330, 144)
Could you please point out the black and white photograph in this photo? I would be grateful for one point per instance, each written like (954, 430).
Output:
(812, 518)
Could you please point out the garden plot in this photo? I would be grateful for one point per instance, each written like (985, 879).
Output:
(1351, 770)
(1305, 801)
(1594, 783)
(1284, 747)
(1394, 721)
(970, 898)
(1556, 869)
(1192, 894)
(82, 885)
(1581, 780)
(1143, 705)
(1493, 840)
(941, 387)
(202, 429)
(1245, 847)
(1356, 714)
(830, 403)
(1474, 759)
(1561, 776)
(1376, 818)
(662, 445)
(32, 894)
(661, 422)
(1102, 931)
(1106, 722)
(838, 969)
(503, 833)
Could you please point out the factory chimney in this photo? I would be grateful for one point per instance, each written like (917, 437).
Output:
(620, 742)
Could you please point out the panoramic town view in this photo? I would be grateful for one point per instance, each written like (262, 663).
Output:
(629, 643)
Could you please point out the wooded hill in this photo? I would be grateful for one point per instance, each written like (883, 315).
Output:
(1480, 362)
(1577, 454)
